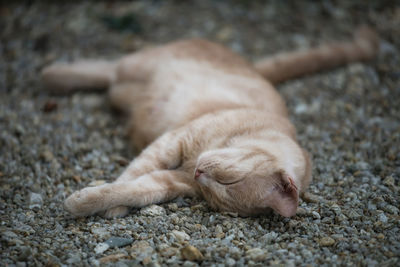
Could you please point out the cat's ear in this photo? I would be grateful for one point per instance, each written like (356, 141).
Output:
(284, 197)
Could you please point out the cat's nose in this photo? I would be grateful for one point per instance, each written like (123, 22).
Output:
(197, 174)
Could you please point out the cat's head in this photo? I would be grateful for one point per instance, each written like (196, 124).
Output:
(254, 180)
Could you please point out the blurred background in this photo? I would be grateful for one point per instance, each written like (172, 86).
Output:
(39, 32)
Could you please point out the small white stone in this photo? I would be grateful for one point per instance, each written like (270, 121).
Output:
(180, 236)
(153, 210)
(382, 217)
(301, 108)
(35, 201)
(316, 215)
(230, 262)
(257, 254)
(269, 237)
(101, 247)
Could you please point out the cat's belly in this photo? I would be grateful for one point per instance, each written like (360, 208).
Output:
(192, 89)
(181, 91)
(153, 115)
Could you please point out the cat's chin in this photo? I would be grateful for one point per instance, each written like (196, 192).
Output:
(203, 179)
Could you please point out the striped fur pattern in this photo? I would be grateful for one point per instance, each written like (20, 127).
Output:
(208, 123)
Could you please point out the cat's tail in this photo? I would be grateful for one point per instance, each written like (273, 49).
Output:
(290, 65)
(81, 75)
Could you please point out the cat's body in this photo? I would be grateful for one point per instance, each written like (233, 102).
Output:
(210, 123)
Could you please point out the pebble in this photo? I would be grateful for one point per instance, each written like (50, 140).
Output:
(24, 253)
(173, 207)
(301, 211)
(47, 155)
(189, 264)
(8, 235)
(35, 201)
(101, 232)
(101, 247)
(74, 259)
(230, 262)
(382, 218)
(389, 181)
(380, 236)
(326, 241)
(169, 252)
(352, 214)
(11, 238)
(191, 253)
(391, 209)
(219, 233)
(269, 237)
(112, 258)
(152, 210)
(335, 207)
(310, 198)
(362, 165)
(180, 236)
(316, 215)
(301, 108)
(257, 254)
(118, 242)
(141, 251)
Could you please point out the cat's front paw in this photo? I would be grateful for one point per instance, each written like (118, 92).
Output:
(116, 212)
(82, 203)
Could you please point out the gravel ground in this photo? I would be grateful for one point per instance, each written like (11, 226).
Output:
(50, 145)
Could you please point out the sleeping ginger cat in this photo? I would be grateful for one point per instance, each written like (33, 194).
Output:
(210, 124)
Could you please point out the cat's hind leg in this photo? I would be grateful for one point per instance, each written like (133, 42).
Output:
(80, 75)
(155, 187)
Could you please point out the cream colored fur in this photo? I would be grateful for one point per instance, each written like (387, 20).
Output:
(209, 125)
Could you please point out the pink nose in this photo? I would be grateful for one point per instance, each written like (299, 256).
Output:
(197, 174)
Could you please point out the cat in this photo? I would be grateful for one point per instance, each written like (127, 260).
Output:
(208, 122)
